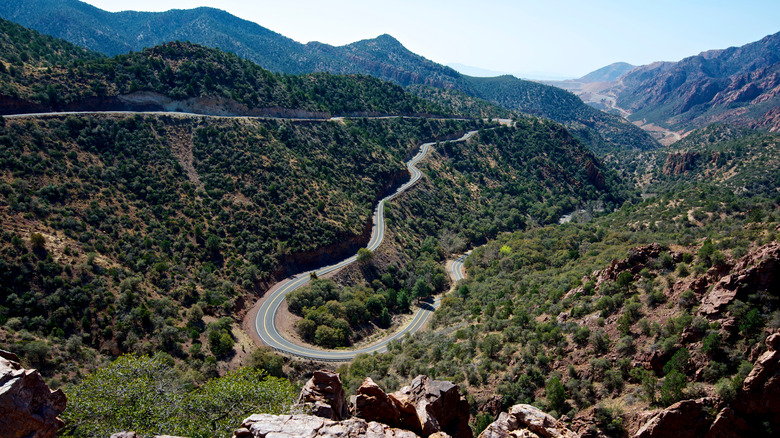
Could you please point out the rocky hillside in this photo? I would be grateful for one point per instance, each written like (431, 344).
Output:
(607, 74)
(602, 132)
(425, 408)
(736, 85)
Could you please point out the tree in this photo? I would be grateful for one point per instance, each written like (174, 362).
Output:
(673, 387)
(364, 256)
(37, 242)
(146, 395)
(464, 292)
(265, 359)
(556, 393)
(421, 288)
(384, 319)
(403, 301)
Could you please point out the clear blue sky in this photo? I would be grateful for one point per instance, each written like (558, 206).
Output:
(530, 38)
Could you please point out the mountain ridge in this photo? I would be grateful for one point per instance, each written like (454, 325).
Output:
(383, 57)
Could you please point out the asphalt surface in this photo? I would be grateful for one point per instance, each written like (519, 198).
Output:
(457, 267)
(266, 315)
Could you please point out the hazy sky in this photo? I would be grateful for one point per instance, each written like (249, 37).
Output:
(528, 38)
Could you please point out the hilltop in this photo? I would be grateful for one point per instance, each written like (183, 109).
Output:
(383, 57)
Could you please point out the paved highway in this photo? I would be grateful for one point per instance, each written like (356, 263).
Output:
(266, 315)
(457, 267)
(264, 323)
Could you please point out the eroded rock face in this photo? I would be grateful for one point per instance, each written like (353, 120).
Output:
(433, 406)
(372, 403)
(28, 407)
(526, 421)
(426, 407)
(760, 395)
(308, 426)
(685, 419)
(325, 395)
(757, 271)
(756, 402)
(637, 259)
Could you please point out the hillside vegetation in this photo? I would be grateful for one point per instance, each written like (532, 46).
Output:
(221, 83)
(602, 132)
(604, 319)
(501, 179)
(121, 233)
(383, 57)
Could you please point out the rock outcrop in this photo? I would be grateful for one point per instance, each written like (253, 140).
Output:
(426, 407)
(757, 271)
(324, 394)
(685, 419)
(296, 426)
(28, 407)
(135, 435)
(528, 422)
(755, 403)
(760, 393)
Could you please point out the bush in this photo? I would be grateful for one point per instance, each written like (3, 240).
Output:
(672, 389)
(146, 395)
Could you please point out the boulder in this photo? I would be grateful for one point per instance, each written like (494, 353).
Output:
(372, 403)
(429, 406)
(426, 407)
(728, 425)
(685, 419)
(526, 421)
(325, 396)
(309, 426)
(764, 379)
(28, 407)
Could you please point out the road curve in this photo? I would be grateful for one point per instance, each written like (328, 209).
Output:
(266, 314)
(457, 267)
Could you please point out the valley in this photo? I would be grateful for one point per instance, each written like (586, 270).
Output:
(195, 232)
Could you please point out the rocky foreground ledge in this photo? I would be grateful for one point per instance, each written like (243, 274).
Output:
(28, 408)
(426, 408)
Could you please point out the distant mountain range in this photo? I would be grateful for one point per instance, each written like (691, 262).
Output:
(739, 85)
(383, 57)
(736, 85)
(607, 74)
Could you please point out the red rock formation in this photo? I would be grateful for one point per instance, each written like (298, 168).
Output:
(522, 419)
(28, 407)
(295, 426)
(760, 394)
(685, 419)
(325, 395)
(436, 405)
(759, 270)
(426, 407)
(756, 402)
(680, 163)
(372, 403)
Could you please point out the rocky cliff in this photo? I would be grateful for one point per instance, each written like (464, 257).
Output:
(28, 408)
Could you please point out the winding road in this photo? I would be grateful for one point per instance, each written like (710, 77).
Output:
(264, 322)
(457, 267)
(266, 315)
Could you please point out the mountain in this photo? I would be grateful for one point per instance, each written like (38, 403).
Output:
(736, 85)
(475, 71)
(602, 132)
(607, 74)
(383, 57)
(180, 76)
